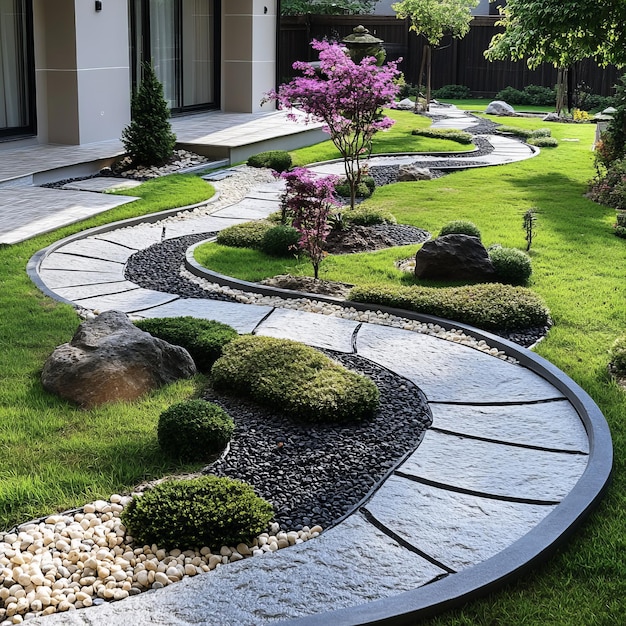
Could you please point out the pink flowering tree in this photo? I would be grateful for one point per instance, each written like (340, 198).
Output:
(308, 200)
(347, 97)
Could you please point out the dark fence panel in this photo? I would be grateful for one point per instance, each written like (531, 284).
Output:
(456, 61)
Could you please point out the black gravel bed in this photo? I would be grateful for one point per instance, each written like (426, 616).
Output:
(158, 268)
(401, 234)
(527, 337)
(318, 473)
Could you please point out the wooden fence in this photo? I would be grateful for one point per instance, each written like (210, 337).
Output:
(455, 62)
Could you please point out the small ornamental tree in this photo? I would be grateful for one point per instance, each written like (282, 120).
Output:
(348, 97)
(148, 138)
(309, 200)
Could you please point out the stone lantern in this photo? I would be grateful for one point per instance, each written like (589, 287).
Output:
(361, 44)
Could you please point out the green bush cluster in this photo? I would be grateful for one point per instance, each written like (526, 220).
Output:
(453, 92)
(512, 266)
(278, 160)
(245, 235)
(203, 339)
(531, 94)
(368, 216)
(363, 190)
(543, 142)
(610, 189)
(460, 136)
(194, 430)
(206, 511)
(460, 227)
(617, 355)
(491, 306)
(524, 133)
(294, 378)
(281, 241)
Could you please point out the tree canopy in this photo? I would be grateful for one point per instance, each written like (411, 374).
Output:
(325, 7)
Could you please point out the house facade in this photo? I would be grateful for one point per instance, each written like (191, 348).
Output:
(68, 67)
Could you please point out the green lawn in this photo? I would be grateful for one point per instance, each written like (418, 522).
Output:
(480, 104)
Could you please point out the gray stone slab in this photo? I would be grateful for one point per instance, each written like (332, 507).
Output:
(494, 468)
(244, 318)
(249, 208)
(456, 529)
(136, 237)
(98, 249)
(348, 565)
(554, 425)
(451, 372)
(76, 294)
(128, 301)
(63, 261)
(102, 184)
(56, 279)
(321, 331)
(196, 225)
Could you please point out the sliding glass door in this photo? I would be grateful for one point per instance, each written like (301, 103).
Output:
(180, 38)
(16, 69)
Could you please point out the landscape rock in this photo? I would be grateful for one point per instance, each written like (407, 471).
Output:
(409, 173)
(499, 107)
(405, 105)
(552, 117)
(453, 257)
(109, 359)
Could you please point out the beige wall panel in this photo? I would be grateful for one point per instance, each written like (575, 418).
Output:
(237, 7)
(237, 38)
(62, 107)
(236, 85)
(59, 25)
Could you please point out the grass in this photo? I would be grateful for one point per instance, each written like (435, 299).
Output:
(55, 456)
(480, 104)
(579, 271)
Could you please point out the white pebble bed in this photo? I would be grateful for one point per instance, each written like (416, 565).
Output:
(78, 559)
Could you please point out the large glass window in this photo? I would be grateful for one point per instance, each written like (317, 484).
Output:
(16, 115)
(180, 38)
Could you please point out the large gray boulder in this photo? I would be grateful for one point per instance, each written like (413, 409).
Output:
(109, 359)
(454, 257)
(410, 173)
(499, 107)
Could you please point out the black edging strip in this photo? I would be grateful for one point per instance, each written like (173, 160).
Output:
(403, 542)
(513, 403)
(470, 492)
(511, 444)
(354, 350)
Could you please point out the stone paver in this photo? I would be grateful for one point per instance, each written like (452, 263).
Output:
(102, 184)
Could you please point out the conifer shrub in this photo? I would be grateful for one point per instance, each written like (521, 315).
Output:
(203, 339)
(460, 227)
(490, 306)
(148, 138)
(281, 241)
(198, 512)
(194, 430)
(245, 235)
(512, 266)
(294, 378)
(278, 160)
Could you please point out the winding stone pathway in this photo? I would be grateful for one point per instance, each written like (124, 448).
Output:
(516, 455)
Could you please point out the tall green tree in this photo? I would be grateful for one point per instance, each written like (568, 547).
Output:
(433, 19)
(325, 7)
(561, 32)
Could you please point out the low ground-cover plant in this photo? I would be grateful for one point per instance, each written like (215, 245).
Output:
(368, 216)
(460, 227)
(194, 430)
(460, 136)
(203, 339)
(294, 378)
(193, 513)
(490, 306)
(512, 266)
(278, 160)
(543, 142)
(525, 133)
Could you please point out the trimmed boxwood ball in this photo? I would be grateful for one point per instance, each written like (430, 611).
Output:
(245, 235)
(281, 241)
(491, 306)
(203, 339)
(206, 511)
(460, 227)
(511, 265)
(278, 160)
(294, 378)
(194, 430)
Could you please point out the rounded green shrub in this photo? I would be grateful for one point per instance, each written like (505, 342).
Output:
(194, 430)
(245, 235)
(278, 160)
(206, 511)
(363, 190)
(617, 355)
(491, 306)
(460, 227)
(368, 216)
(281, 241)
(512, 266)
(294, 378)
(203, 339)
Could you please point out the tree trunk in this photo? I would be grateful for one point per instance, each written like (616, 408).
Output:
(561, 89)
(419, 77)
(428, 76)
